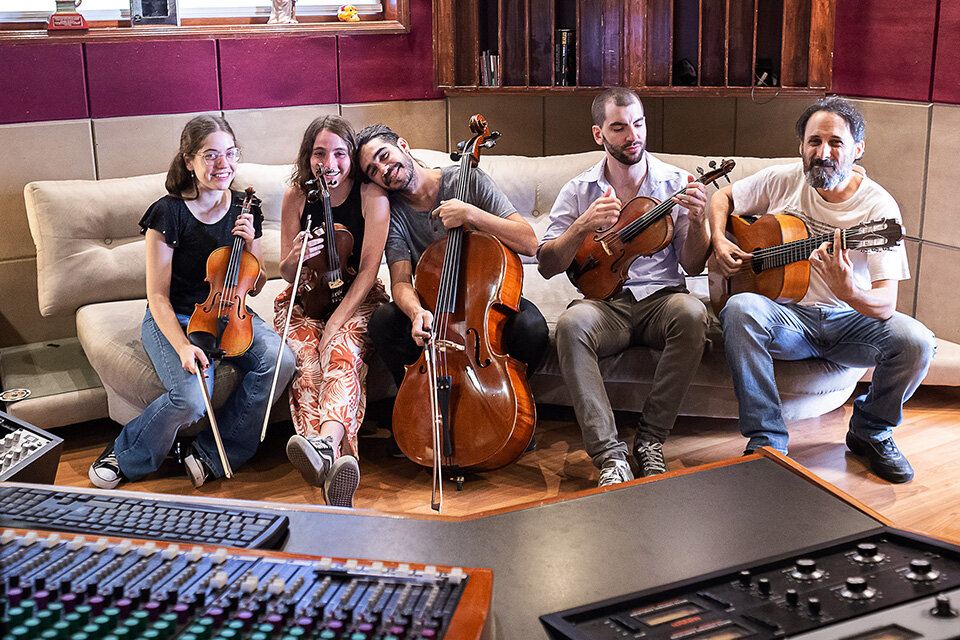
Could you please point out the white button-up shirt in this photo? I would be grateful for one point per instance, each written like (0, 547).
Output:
(646, 275)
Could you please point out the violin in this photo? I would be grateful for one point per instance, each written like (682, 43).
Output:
(221, 325)
(330, 276)
(482, 413)
(643, 228)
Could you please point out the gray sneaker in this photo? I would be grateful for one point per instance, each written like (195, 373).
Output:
(614, 471)
(312, 457)
(342, 482)
(649, 456)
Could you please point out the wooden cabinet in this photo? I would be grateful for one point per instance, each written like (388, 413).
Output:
(658, 47)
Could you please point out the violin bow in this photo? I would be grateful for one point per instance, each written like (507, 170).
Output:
(293, 297)
(227, 470)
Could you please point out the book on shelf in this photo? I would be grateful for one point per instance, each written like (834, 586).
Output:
(563, 63)
(489, 69)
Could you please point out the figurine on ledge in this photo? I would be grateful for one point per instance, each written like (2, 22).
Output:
(283, 12)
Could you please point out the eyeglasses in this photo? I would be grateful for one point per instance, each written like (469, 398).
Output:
(210, 157)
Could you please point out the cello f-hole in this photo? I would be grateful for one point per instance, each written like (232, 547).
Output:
(476, 349)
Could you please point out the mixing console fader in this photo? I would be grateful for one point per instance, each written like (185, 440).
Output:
(885, 586)
(61, 586)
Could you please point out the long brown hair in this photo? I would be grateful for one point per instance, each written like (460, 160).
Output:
(337, 125)
(181, 180)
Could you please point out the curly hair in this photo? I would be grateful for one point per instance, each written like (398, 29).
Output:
(181, 180)
(840, 106)
(337, 125)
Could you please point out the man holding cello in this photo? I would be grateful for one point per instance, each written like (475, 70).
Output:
(654, 307)
(422, 209)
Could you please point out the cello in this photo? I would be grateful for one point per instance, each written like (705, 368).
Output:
(644, 227)
(221, 325)
(482, 413)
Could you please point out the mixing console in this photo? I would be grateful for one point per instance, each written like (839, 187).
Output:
(889, 586)
(27, 454)
(54, 586)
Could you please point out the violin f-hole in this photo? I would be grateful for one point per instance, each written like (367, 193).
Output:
(476, 349)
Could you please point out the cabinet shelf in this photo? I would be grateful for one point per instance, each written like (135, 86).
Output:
(657, 47)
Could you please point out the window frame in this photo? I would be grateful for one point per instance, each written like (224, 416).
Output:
(393, 19)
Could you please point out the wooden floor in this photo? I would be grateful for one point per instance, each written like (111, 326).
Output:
(929, 437)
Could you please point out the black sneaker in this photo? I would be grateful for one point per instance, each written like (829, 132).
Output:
(649, 457)
(105, 471)
(884, 457)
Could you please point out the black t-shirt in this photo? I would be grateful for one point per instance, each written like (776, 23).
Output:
(349, 213)
(193, 242)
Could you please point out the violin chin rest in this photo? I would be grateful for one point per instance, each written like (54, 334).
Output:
(205, 340)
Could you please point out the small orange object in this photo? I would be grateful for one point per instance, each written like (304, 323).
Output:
(348, 13)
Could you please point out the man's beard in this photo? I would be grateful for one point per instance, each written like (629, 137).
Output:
(407, 164)
(826, 174)
(619, 154)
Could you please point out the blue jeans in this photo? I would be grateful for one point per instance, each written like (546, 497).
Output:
(757, 330)
(147, 439)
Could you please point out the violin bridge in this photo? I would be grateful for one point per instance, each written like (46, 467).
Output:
(443, 345)
(603, 243)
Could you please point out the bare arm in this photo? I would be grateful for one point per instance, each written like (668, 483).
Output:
(407, 298)
(557, 254)
(159, 269)
(879, 301)
(729, 256)
(291, 236)
(513, 231)
(376, 223)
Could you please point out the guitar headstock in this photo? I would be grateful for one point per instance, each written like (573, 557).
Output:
(875, 235)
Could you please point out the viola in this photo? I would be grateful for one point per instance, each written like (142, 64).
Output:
(330, 276)
(643, 228)
(221, 325)
(481, 413)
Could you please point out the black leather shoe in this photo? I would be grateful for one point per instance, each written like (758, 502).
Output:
(884, 457)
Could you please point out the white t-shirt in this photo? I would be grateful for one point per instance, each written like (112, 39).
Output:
(783, 189)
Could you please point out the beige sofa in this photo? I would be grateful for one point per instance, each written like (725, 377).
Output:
(90, 261)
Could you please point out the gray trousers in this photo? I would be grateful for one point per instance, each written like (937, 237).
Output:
(671, 320)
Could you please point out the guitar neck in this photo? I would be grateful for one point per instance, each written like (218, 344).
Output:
(790, 252)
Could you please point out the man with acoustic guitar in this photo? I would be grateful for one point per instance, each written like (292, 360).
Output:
(654, 307)
(848, 313)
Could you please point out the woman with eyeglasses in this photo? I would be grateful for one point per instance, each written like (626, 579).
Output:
(328, 396)
(200, 213)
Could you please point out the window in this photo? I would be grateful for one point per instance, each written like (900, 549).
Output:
(119, 10)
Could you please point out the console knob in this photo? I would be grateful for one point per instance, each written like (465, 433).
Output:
(763, 586)
(856, 588)
(942, 608)
(868, 553)
(806, 569)
(793, 597)
(922, 571)
(813, 605)
(744, 578)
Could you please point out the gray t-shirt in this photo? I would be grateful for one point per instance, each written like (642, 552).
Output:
(411, 231)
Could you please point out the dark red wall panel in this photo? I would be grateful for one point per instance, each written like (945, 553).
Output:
(397, 67)
(159, 76)
(884, 48)
(946, 78)
(42, 82)
(278, 72)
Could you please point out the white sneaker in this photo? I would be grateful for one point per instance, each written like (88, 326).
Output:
(197, 473)
(614, 472)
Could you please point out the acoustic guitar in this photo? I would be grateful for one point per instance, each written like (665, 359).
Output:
(781, 248)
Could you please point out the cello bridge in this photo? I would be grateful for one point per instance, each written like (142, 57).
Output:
(443, 345)
(335, 284)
